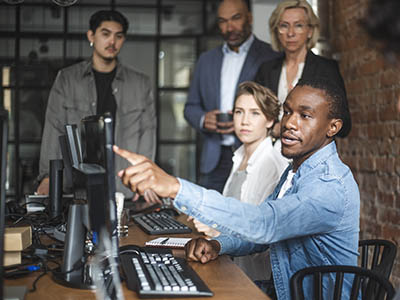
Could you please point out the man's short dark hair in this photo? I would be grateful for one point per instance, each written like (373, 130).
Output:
(108, 15)
(247, 2)
(336, 96)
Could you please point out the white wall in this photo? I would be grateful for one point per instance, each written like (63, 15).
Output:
(262, 10)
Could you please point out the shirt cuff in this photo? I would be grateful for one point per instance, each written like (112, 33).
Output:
(187, 197)
(202, 121)
(225, 242)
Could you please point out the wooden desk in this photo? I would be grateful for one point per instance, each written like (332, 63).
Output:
(222, 276)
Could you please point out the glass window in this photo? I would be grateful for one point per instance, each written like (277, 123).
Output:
(37, 75)
(179, 160)
(181, 17)
(78, 49)
(172, 125)
(7, 48)
(43, 18)
(79, 16)
(33, 50)
(29, 155)
(32, 110)
(140, 55)
(209, 43)
(141, 20)
(211, 17)
(7, 17)
(177, 58)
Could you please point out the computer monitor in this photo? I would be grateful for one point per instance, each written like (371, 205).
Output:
(94, 188)
(74, 143)
(89, 182)
(71, 152)
(3, 165)
(97, 140)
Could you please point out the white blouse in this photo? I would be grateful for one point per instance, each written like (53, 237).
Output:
(264, 170)
(283, 87)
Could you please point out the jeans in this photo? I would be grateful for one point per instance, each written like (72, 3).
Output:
(216, 179)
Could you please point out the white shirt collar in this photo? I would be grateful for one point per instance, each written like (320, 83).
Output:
(264, 146)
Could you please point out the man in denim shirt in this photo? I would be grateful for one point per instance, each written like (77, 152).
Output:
(312, 217)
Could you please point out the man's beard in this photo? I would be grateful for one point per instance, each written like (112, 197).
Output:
(109, 59)
(243, 35)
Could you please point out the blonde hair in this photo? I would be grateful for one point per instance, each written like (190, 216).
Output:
(276, 15)
(266, 100)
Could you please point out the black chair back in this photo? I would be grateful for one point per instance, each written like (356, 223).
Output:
(372, 285)
(378, 255)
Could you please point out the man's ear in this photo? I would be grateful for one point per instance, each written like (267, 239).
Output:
(334, 127)
(89, 35)
(250, 17)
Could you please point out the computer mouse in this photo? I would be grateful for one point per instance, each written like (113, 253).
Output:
(169, 211)
(129, 249)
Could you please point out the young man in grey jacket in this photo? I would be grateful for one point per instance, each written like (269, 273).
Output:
(98, 85)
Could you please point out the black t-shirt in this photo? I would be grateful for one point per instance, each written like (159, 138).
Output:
(105, 98)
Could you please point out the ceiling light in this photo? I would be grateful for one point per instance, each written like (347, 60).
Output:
(65, 2)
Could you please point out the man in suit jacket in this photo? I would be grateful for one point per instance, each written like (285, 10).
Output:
(217, 75)
(98, 85)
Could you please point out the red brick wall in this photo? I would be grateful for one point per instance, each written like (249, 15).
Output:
(373, 148)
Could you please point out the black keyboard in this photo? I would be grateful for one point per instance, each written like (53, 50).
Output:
(160, 223)
(160, 274)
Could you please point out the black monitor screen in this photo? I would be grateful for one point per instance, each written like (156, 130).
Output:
(97, 141)
(3, 165)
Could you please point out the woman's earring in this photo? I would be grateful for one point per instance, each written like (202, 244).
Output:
(91, 44)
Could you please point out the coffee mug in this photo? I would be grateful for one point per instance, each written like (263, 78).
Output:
(224, 117)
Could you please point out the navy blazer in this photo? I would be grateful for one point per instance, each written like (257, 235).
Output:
(204, 94)
(315, 66)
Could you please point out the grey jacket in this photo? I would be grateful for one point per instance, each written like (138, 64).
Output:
(73, 96)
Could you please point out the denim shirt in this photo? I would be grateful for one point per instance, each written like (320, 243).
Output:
(315, 223)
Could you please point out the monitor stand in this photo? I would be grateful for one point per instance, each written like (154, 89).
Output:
(14, 292)
(74, 251)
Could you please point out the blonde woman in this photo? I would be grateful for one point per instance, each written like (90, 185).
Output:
(257, 165)
(294, 29)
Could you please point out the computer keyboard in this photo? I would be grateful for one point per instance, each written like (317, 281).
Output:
(160, 223)
(160, 274)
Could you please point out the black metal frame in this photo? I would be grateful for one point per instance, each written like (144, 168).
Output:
(66, 36)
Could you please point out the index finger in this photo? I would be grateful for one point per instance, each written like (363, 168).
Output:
(133, 158)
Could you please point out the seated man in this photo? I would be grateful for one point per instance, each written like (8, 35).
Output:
(311, 218)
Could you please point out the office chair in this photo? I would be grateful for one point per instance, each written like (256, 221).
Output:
(373, 286)
(377, 255)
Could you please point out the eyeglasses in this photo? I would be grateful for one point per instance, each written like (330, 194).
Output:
(297, 28)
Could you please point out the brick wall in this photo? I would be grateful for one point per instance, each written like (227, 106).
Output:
(373, 148)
